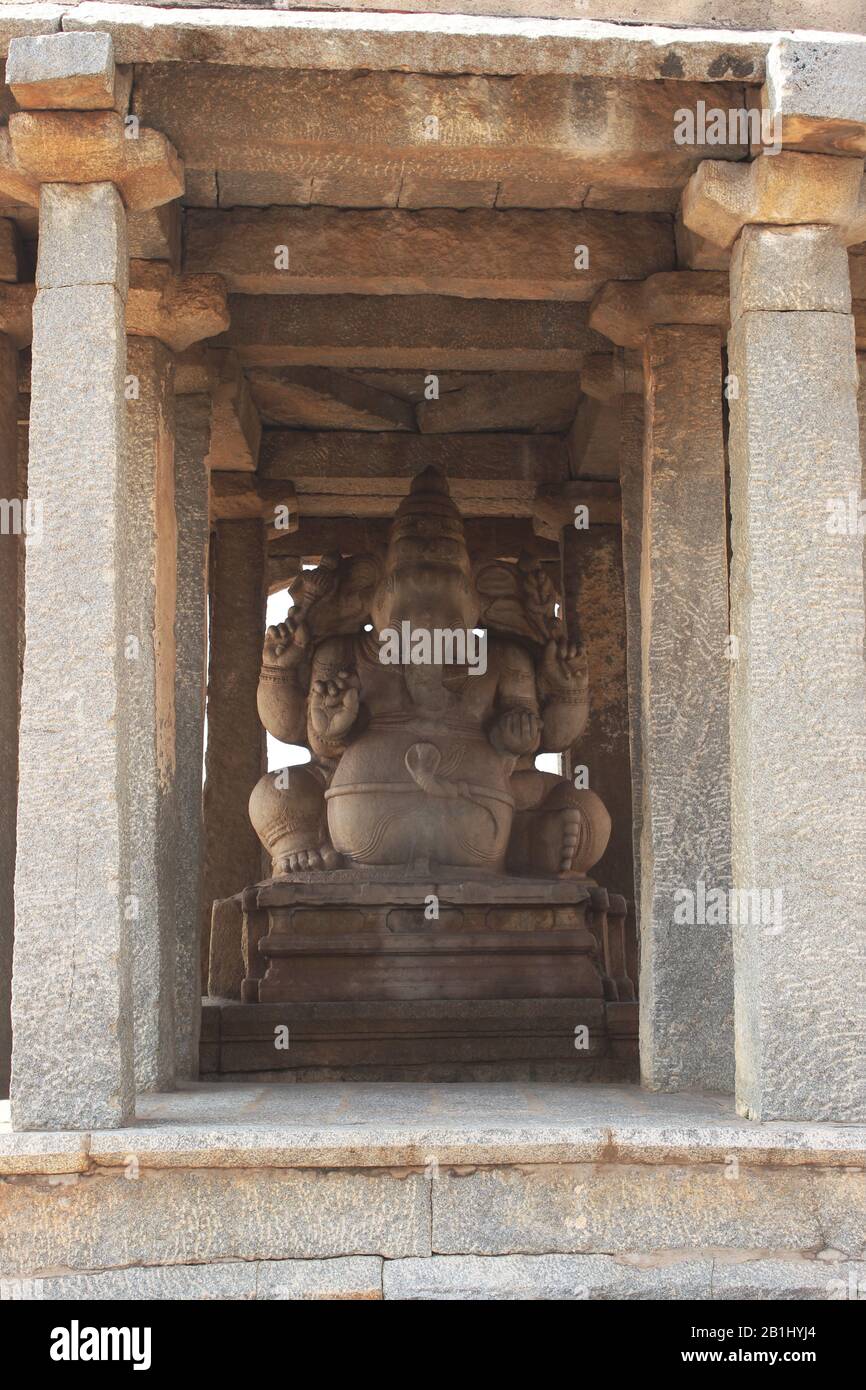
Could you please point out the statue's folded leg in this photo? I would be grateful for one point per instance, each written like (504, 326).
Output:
(287, 809)
(558, 828)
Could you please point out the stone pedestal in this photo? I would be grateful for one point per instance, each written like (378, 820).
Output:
(354, 978)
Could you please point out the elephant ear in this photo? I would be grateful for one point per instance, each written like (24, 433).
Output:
(337, 595)
(517, 600)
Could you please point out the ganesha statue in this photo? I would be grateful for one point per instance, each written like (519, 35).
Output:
(424, 687)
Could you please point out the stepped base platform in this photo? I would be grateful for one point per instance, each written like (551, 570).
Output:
(487, 1192)
(432, 975)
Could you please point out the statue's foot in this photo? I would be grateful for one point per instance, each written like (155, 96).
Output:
(303, 860)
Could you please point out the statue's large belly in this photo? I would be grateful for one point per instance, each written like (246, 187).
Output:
(401, 795)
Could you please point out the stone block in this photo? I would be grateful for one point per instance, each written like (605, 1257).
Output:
(67, 70)
(790, 1279)
(623, 1208)
(790, 268)
(564, 1278)
(65, 257)
(155, 234)
(151, 1284)
(9, 249)
(134, 1216)
(316, 398)
(817, 89)
(358, 1277)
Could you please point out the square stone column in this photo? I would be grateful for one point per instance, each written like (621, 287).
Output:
(85, 795)
(631, 486)
(676, 582)
(235, 756)
(192, 441)
(72, 1064)
(149, 581)
(594, 612)
(11, 544)
(686, 989)
(798, 699)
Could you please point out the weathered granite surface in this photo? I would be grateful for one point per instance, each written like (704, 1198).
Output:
(72, 1002)
(686, 994)
(799, 743)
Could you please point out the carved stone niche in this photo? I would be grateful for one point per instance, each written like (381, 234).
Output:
(430, 911)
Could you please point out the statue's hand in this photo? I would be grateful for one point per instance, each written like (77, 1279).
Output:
(334, 705)
(286, 644)
(517, 731)
(563, 671)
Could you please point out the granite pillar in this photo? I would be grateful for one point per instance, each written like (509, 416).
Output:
(686, 989)
(72, 1065)
(191, 506)
(798, 703)
(235, 754)
(11, 543)
(149, 579)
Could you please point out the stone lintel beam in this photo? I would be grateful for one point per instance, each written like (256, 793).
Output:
(474, 253)
(504, 537)
(74, 147)
(816, 88)
(624, 310)
(784, 189)
(498, 465)
(240, 496)
(429, 333)
(555, 504)
(606, 375)
(73, 72)
(178, 310)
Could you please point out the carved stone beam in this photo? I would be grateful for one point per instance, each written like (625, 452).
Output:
(555, 505)
(623, 310)
(179, 310)
(604, 375)
(242, 496)
(784, 189)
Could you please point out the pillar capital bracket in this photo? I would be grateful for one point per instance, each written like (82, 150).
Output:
(624, 310)
(784, 189)
(178, 310)
(88, 147)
